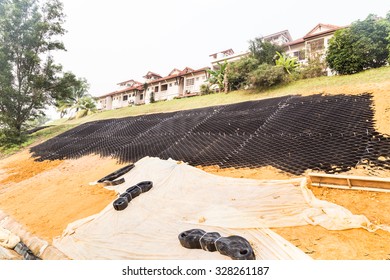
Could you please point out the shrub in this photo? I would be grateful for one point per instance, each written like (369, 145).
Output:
(314, 68)
(205, 89)
(239, 72)
(152, 100)
(266, 76)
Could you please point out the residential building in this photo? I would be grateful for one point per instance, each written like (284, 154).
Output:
(280, 38)
(313, 44)
(178, 83)
(130, 93)
(226, 55)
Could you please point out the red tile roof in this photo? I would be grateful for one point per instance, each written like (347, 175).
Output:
(295, 42)
(151, 74)
(136, 86)
(184, 72)
(139, 85)
(330, 29)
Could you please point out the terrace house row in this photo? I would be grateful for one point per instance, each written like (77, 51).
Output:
(177, 84)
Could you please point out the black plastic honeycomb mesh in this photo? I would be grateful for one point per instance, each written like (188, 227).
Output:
(292, 133)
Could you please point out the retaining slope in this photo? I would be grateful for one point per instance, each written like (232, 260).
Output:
(293, 133)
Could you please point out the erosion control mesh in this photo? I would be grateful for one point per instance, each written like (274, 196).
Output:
(292, 133)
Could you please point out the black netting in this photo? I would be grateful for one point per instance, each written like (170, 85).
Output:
(292, 133)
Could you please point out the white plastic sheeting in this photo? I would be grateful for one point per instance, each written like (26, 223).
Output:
(183, 198)
(8, 239)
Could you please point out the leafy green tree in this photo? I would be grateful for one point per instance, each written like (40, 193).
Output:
(73, 91)
(264, 51)
(362, 46)
(289, 64)
(239, 72)
(29, 31)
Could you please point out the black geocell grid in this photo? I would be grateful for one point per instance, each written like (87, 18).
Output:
(293, 133)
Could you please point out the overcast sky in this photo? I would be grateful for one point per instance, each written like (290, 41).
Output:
(117, 40)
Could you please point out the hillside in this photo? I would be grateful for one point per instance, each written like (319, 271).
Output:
(57, 184)
(372, 81)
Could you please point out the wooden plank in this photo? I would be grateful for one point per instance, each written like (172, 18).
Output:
(351, 182)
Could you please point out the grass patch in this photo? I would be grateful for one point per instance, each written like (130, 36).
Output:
(36, 138)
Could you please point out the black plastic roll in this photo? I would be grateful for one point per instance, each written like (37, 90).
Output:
(145, 185)
(127, 196)
(112, 176)
(23, 250)
(134, 191)
(236, 247)
(207, 241)
(120, 203)
(190, 238)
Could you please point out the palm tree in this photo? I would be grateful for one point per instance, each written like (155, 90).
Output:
(76, 98)
(85, 105)
(219, 76)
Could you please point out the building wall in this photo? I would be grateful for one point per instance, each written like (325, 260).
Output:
(295, 50)
(104, 103)
(164, 90)
(192, 82)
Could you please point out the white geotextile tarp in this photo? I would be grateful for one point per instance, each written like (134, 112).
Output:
(8, 239)
(183, 198)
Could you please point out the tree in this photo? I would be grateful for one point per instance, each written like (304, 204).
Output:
(219, 76)
(264, 51)
(85, 106)
(289, 64)
(74, 90)
(29, 31)
(239, 72)
(362, 46)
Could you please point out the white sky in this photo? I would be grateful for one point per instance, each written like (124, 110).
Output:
(112, 41)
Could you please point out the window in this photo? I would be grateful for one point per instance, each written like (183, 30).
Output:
(197, 78)
(190, 82)
(156, 89)
(176, 83)
(164, 87)
(170, 84)
(300, 55)
(125, 97)
(141, 97)
(316, 45)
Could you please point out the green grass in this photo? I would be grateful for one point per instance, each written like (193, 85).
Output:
(36, 138)
(367, 81)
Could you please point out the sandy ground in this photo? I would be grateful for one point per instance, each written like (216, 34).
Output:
(47, 196)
